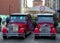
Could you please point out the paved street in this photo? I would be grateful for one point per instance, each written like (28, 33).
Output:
(30, 39)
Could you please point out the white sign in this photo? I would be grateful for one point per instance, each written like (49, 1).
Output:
(42, 8)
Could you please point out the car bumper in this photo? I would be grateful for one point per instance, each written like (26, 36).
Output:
(44, 34)
(13, 34)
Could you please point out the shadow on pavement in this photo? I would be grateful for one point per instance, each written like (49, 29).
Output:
(14, 38)
(45, 38)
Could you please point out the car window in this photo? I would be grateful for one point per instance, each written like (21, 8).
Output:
(18, 18)
(45, 19)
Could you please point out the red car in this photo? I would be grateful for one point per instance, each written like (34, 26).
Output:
(45, 26)
(20, 25)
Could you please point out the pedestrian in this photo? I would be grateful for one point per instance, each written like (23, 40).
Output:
(7, 20)
(0, 23)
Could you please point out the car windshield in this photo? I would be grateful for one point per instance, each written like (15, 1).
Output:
(45, 19)
(18, 19)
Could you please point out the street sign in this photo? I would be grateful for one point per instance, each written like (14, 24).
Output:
(42, 8)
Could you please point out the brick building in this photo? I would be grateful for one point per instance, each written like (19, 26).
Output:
(10, 6)
(37, 3)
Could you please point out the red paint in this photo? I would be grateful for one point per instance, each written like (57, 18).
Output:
(36, 30)
(53, 30)
(4, 30)
(21, 30)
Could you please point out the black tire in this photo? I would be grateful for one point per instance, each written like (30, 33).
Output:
(53, 37)
(24, 36)
(4, 37)
(36, 37)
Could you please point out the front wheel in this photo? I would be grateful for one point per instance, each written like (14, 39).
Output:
(24, 36)
(36, 37)
(4, 37)
(53, 37)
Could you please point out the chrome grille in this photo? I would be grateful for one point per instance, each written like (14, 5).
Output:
(45, 29)
(15, 28)
(12, 28)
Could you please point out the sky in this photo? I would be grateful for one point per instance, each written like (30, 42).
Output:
(30, 3)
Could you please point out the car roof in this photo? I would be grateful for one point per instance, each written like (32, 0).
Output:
(19, 14)
(46, 14)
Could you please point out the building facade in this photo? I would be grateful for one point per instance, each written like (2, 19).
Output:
(11, 6)
(37, 3)
(49, 3)
(55, 5)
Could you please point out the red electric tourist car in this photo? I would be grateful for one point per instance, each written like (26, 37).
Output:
(20, 25)
(45, 26)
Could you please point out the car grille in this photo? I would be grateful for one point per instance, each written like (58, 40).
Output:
(45, 29)
(12, 28)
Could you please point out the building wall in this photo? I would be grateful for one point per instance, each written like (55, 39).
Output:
(49, 3)
(9, 6)
(54, 4)
(37, 3)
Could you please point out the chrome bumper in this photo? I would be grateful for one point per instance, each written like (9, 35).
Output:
(44, 34)
(13, 34)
